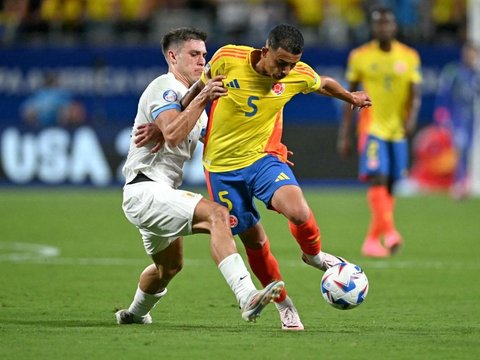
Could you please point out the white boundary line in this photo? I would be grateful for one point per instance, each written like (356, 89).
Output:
(17, 252)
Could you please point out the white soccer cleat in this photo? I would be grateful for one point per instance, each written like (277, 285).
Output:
(326, 260)
(258, 299)
(126, 317)
(289, 315)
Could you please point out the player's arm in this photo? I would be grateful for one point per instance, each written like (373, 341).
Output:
(414, 102)
(196, 88)
(175, 125)
(331, 87)
(345, 130)
(147, 133)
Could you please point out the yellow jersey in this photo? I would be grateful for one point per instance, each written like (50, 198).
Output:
(386, 77)
(246, 125)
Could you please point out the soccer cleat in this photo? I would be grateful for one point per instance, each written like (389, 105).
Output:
(258, 299)
(326, 261)
(126, 317)
(393, 242)
(289, 315)
(373, 248)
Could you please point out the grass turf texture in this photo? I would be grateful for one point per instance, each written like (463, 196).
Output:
(423, 304)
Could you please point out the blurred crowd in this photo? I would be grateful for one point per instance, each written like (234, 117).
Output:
(327, 22)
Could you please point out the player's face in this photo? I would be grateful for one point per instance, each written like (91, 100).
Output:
(190, 60)
(279, 63)
(384, 26)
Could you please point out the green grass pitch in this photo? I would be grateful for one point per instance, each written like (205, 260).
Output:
(69, 258)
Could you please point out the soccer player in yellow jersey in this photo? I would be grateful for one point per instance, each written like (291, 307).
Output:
(245, 159)
(390, 72)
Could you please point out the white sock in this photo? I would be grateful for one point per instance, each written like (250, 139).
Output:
(142, 302)
(315, 260)
(237, 276)
(322, 260)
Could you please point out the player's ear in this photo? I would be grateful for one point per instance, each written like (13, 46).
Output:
(171, 56)
(264, 51)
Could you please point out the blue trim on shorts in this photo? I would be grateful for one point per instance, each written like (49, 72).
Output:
(237, 189)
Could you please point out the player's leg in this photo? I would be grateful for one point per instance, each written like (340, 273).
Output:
(374, 168)
(398, 170)
(262, 262)
(152, 285)
(276, 186)
(232, 191)
(214, 218)
(265, 267)
(290, 201)
(163, 214)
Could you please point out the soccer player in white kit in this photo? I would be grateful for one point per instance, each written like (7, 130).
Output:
(153, 170)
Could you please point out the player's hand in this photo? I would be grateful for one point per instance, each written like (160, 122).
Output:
(360, 100)
(214, 88)
(147, 133)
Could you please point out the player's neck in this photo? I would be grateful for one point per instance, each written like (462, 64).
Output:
(256, 61)
(183, 79)
(385, 45)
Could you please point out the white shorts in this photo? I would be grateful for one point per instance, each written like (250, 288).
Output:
(160, 213)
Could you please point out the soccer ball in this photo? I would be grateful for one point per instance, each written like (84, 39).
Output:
(344, 286)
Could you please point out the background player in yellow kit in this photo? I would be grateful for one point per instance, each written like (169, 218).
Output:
(245, 159)
(390, 72)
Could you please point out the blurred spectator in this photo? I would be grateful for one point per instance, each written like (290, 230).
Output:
(52, 106)
(327, 22)
(449, 18)
(309, 15)
(264, 16)
(65, 18)
(345, 22)
(233, 17)
(459, 88)
(434, 162)
(20, 19)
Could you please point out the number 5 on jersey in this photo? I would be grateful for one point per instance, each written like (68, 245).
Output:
(222, 195)
(252, 105)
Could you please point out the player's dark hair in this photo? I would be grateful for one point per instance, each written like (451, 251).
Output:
(181, 35)
(287, 37)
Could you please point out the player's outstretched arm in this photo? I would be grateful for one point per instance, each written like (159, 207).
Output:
(331, 87)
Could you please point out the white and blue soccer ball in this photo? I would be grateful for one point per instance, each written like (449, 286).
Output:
(344, 286)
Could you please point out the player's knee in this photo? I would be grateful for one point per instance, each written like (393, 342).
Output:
(219, 214)
(298, 214)
(172, 270)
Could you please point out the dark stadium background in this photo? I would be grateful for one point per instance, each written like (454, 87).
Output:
(107, 64)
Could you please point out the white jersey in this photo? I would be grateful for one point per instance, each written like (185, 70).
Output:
(166, 165)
